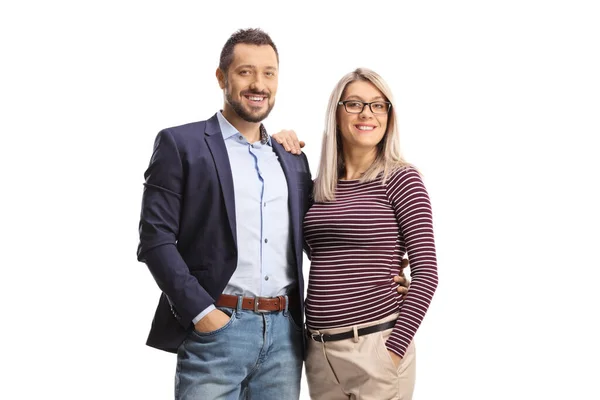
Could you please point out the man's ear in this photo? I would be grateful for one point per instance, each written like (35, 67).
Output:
(221, 78)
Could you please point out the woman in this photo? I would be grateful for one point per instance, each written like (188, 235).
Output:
(370, 209)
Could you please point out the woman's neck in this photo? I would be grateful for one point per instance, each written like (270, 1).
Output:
(356, 162)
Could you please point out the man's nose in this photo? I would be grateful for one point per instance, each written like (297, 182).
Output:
(257, 83)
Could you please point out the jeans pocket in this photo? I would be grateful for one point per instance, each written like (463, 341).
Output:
(199, 334)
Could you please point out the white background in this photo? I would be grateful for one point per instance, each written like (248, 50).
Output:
(499, 106)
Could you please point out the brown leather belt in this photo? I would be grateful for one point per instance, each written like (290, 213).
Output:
(256, 304)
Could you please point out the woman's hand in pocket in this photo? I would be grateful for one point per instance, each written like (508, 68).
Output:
(395, 358)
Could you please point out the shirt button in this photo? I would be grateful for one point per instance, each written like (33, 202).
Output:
(266, 240)
(266, 278)
(240, 138)
(265, 204)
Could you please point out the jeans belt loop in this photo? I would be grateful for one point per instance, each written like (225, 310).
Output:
(287, 303)
(238, 309)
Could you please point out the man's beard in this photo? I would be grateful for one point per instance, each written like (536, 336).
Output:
(245, 115)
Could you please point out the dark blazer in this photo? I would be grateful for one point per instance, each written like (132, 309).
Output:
(188, 227)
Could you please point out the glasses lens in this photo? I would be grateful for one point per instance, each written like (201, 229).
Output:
(380, 107)
(354, 107)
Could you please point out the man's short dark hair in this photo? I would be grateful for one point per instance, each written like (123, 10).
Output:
(247, 36)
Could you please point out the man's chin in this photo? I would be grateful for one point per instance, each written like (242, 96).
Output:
(248, 113)
(255, 115)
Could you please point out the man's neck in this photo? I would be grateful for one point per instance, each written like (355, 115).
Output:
(250, 130)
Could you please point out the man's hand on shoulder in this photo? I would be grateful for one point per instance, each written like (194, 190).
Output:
(402, 281)
(288, 139)
(216, 319)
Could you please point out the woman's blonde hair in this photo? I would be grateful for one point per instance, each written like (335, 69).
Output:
(331, 165)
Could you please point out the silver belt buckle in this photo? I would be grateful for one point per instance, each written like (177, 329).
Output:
(256, 302)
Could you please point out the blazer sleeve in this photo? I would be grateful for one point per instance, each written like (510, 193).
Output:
(159, 228)
(309, 184)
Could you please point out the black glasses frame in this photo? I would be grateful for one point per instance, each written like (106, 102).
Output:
(363, 107)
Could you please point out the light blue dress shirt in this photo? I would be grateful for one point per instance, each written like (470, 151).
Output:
(265, 257)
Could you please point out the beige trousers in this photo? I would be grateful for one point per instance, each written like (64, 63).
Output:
(359, 368)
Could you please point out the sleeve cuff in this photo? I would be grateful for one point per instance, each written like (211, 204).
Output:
(203, 313)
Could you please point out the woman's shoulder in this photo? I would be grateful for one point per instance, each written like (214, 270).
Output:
(403, 172)
(403, 181)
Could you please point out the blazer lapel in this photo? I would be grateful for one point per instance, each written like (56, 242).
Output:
(216, 145)
(293, 197)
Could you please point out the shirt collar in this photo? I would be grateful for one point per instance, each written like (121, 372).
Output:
(229, 130)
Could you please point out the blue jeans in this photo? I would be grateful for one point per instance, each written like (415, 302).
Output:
(254, 356)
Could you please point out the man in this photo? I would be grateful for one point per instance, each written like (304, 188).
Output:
(221, 232)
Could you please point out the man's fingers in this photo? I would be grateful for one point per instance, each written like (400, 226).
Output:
(288, 139)
(402, 282)
(402, 290)
(404, 263)
(282, 140)
(285, 144)
(293, 141)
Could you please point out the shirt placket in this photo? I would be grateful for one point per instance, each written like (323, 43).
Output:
(263, 240)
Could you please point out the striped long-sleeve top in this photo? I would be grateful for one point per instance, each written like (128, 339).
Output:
(357, 243)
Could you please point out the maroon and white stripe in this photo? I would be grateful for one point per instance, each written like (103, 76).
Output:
(356, 245)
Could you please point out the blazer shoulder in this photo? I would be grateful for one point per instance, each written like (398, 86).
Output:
(190, 137)
(303, 161)
(298, 161)
(183, 131)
